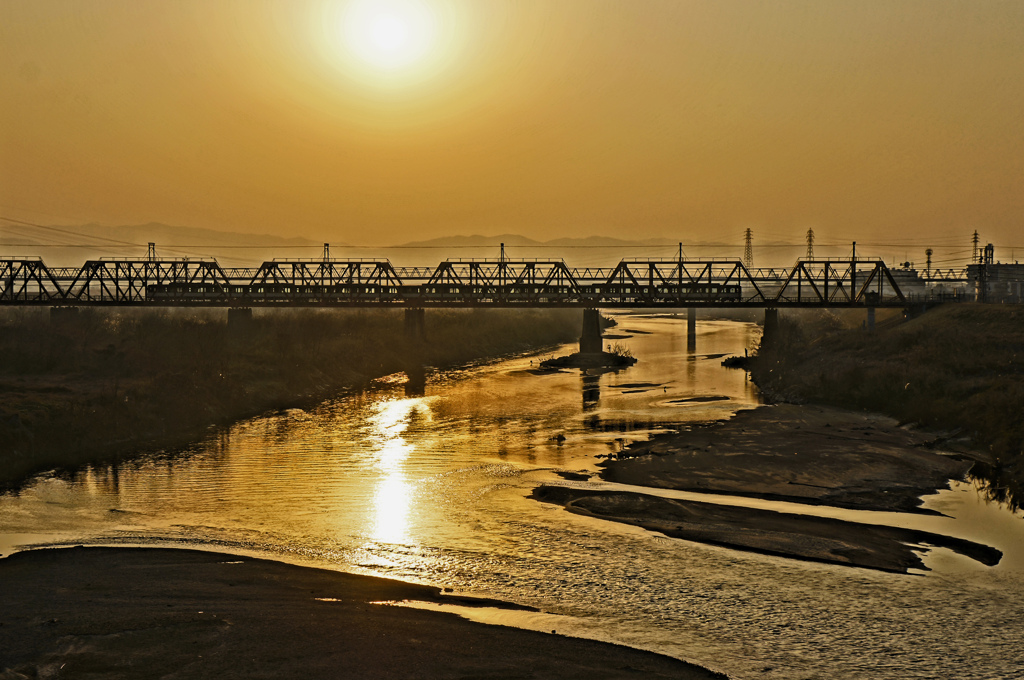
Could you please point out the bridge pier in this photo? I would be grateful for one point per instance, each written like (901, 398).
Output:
(590, 340)
(871, 320)
(415, 324)
(61, 315)
(771, 327)
(691, 328)
(416, 374)
(239, 320)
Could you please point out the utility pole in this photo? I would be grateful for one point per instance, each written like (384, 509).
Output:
(679, 268)
(853, 272)
(974, 253)
(748, 249)
(810, 244)
(987, 259)
(928, 263)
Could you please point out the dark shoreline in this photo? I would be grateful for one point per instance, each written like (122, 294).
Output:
(154, 612)
(958, 368)
(107, 385)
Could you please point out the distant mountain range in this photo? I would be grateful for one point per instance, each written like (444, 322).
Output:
(514, 240)
(141, 235)
(69, 246)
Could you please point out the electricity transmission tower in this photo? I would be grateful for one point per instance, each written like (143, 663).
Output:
(810, 244)
(748, 249)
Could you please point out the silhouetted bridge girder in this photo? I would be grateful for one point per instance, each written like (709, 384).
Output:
(641, 283)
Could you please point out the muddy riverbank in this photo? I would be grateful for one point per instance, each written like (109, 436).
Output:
(800, 453)
(804, 454)
(139, 613)
(957, 367)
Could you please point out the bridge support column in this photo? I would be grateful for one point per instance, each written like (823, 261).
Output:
(590, 340)
(415, 324)
(871, 320)
(771, 328)
(61, 315)
(239, 320)
(691, 328)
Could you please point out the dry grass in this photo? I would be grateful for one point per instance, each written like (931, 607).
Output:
(958, 367)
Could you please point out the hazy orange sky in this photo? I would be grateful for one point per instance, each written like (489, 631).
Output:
(694, 120)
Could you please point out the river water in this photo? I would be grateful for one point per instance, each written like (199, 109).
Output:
(433, 488)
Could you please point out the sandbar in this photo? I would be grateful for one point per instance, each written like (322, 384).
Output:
(806, 454)
(92, 612)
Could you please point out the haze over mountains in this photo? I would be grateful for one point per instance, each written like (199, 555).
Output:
(72, 245)
(514, 240)
(69, 246)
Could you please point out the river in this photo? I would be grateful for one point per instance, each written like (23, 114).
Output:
(433, 488)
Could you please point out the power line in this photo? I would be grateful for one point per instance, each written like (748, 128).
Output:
(73, 233)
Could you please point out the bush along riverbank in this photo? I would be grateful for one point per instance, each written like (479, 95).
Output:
(103, 384)
(957, 368)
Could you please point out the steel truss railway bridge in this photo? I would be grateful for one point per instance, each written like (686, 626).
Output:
(503, 282)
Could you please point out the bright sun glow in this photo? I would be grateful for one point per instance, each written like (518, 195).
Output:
(390, 35)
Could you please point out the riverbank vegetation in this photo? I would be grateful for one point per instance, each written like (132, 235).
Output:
(956, 368)
(100, 384)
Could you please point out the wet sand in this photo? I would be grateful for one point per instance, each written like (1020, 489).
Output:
(804, 537)
(144, 613)
(805, 454)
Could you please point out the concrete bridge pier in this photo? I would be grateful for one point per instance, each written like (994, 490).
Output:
(62, 315)
(871, 299)
(415, 324)
(691, 328)
(416, 384)
(590, 340)
(239, 320)
(415, 331)
(771, 327)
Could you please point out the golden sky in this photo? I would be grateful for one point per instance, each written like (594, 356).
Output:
(685, 119)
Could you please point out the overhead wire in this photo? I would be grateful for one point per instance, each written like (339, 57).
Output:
(68, 231)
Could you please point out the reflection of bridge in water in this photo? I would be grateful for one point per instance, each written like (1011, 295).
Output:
(326, 282)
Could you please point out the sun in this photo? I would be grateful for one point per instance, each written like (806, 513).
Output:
(389, 35)
(392, 48)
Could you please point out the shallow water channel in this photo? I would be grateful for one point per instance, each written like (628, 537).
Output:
(432, 488)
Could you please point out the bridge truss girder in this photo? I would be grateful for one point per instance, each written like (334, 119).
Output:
(126, 281)
(327, 272)
(633, 283)
(27, 281)
(853, 282)
(491, 279)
